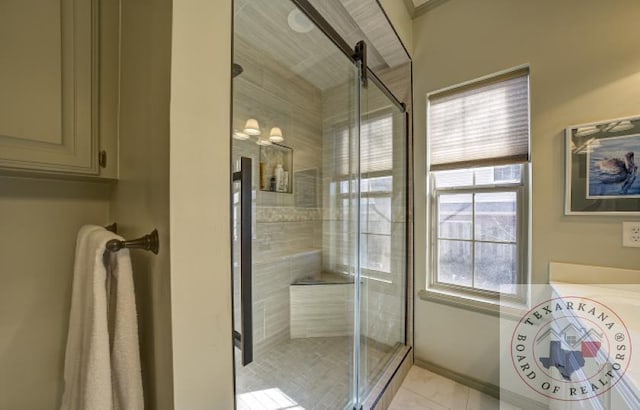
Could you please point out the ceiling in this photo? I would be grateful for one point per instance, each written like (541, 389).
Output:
(262, 24)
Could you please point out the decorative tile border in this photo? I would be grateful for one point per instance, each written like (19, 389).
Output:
(286, 214)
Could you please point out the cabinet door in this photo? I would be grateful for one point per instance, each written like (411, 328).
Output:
(48, 92)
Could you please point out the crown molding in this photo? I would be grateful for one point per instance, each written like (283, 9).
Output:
(408, 4)
(423, 8)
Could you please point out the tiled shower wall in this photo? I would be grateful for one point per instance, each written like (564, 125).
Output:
(293, 238)
(287, 228)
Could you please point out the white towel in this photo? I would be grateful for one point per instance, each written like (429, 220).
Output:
(102, 362)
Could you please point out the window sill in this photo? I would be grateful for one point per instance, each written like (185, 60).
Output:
(474, 304)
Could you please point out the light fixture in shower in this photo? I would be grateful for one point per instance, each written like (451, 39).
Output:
(276, 135)
(252, 127)
(240, 135)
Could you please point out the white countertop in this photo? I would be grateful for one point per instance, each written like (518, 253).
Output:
(618, 290)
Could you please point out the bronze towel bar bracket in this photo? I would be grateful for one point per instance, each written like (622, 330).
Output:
(150, 242)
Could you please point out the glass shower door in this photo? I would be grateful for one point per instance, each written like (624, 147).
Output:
(319, 215)
(383, 236)
(295, 120)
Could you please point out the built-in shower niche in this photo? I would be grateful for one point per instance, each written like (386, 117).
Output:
(276, 168)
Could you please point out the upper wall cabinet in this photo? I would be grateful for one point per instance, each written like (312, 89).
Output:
(50, 104)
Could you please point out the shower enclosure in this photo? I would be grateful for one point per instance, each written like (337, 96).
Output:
(319, 158)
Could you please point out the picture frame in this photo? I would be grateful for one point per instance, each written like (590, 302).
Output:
(602, 174)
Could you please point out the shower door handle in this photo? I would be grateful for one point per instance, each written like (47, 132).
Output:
(244, 339)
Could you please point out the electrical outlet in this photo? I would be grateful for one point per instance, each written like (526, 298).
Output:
(631, 234)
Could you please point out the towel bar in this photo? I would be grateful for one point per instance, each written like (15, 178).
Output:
(150, 242)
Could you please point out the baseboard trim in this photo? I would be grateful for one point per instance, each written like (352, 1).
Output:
(521, 401)
(482, 386)
(477, 384)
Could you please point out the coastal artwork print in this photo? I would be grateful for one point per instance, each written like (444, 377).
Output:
(613, 167)
(602, 168)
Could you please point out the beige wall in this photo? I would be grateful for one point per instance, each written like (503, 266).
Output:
(39, 219)
(199, 197)
(140, 201)
(583, 68)
(401, 20)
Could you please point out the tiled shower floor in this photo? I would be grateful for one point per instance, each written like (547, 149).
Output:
(311, 374)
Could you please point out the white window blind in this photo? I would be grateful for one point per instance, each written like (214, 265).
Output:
(486, 123)
(376, 145)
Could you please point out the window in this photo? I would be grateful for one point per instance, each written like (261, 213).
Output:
(375, 217)
(376, 223)
(377, 201)
(478, 178)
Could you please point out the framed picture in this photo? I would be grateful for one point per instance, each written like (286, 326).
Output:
(603, 167)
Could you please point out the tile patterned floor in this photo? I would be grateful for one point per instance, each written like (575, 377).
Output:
(310, 373)
(424, 390)
(315, 374)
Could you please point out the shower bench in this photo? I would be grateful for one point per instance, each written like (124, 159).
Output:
(321, 306)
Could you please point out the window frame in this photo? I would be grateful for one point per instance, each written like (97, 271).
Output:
(522, 226)
(493, 303)
(374, 274)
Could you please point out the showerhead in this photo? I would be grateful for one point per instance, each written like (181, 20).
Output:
(236, 70)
